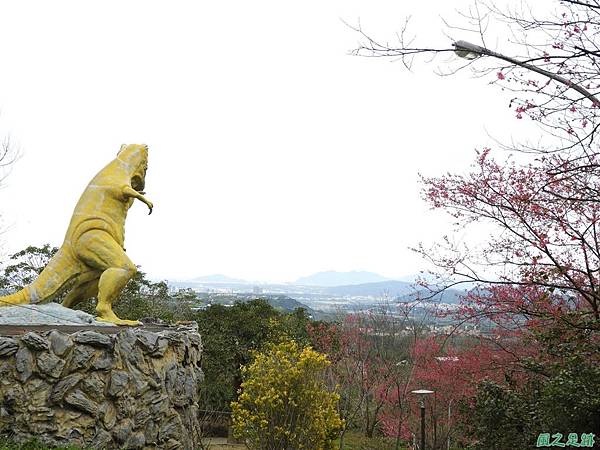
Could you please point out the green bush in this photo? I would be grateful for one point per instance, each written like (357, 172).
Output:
(284, 401)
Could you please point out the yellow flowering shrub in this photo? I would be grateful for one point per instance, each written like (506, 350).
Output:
(284, 402)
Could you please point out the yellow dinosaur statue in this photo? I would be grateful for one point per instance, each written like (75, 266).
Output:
(92, 259)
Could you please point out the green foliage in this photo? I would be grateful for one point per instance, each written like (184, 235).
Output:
(143, 299)
(139, 299)
(501, 419)
(285, 403)
(230, 334)
(564, 397)
(567, 397)
(357, 441)
(570, 399)
(24, 266)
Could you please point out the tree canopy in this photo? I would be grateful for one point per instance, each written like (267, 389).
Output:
(537, 276)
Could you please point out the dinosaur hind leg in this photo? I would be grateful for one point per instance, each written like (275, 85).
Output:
(99, 250)
(112, 281)
(81, 292)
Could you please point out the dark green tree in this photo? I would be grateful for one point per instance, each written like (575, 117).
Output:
(501, 419)
(557, 391)
(230, 334)
(144, 299)
(141, 298)
(23, 267)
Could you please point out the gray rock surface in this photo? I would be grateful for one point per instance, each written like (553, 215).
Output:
(92, 338)
(50, 364)
(8, 346)
(133, 389)
(46, 314)
(35, 342)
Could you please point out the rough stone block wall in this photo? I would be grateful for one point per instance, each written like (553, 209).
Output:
(134, 389)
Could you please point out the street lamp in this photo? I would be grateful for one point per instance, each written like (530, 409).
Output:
(467, 50)
(422, 393)
(449, 410)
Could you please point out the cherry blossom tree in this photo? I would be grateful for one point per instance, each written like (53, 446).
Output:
(536, 280)
(543, 262)
(371, 367)
(549, 60)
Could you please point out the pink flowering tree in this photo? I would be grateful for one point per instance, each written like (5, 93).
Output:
(535, 281)
(549, 62)
(541, 263)
(371, 368)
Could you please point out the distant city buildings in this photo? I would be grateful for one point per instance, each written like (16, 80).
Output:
(330, 303)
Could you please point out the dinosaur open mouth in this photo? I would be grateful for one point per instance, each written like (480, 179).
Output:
(137, 183)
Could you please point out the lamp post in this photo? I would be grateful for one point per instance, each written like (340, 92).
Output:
(467, 50)
(449, 410)
(422, 393)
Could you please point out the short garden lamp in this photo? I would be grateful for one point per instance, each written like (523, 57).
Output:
(422, 393)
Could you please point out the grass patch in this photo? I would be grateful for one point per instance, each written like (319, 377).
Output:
(357, 441)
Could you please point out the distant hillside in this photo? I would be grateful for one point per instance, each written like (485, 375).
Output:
(287, 304)
(447, 296)
(391, 288)
(333, 278)
(394, 290)
(283, 303)
(218, 278)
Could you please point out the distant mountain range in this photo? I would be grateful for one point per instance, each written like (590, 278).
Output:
(332, 278)
(452, 296)
(392, 288)
(323, 279)
(334, 284)
(218, 278)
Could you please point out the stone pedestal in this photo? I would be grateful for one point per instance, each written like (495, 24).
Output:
(101, 387)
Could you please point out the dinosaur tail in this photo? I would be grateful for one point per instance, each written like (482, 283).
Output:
(61, 269)
(18, 298)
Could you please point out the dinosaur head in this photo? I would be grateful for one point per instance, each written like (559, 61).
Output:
(135, 157)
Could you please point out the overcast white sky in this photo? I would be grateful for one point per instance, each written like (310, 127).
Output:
(273, 153)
